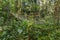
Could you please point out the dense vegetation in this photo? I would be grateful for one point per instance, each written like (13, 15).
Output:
(30, 20)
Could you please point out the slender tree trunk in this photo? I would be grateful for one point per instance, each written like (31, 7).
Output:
(56, 13)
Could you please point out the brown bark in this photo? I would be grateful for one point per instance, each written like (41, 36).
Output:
(56, 12)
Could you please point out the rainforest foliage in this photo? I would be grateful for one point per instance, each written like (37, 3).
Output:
(29, 19)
